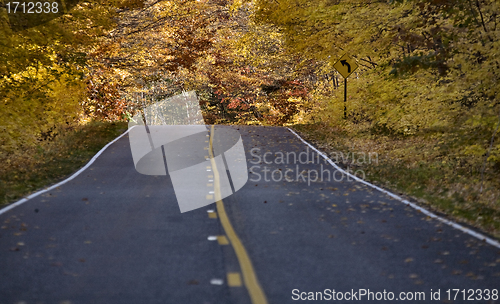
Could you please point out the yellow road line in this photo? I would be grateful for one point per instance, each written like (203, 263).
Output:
(249, 277)
(233, 279)
(222, 240)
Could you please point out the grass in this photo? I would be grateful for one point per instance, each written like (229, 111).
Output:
(430, 168)
(48, 162)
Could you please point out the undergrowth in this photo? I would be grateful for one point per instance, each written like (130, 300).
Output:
(49, 161)
(429, 166)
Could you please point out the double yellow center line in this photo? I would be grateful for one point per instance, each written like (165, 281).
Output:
(249, 277)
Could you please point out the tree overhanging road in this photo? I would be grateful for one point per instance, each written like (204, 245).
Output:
(112, 235)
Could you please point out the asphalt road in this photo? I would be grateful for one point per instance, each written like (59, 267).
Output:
(113, 235)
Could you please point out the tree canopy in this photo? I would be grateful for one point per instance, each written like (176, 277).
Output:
(423, 64)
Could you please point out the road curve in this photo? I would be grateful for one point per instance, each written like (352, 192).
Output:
(113, 235)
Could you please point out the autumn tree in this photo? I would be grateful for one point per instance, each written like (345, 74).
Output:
(208, 46)
(43, 68)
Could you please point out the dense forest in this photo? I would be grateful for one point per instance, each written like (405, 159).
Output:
(428, 77)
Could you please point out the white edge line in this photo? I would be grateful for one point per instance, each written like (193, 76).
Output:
(23, 200)
(424, 211)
